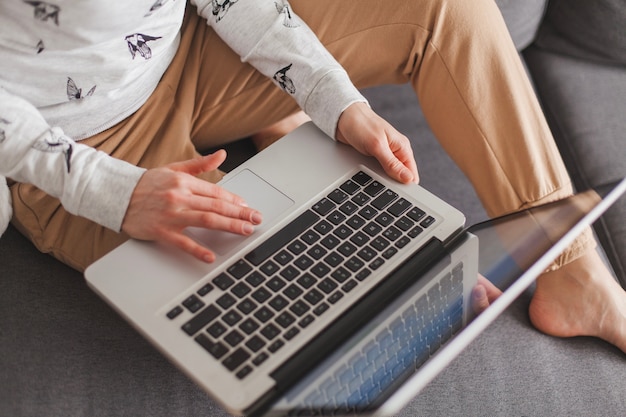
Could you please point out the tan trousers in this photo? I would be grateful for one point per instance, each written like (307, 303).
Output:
(457, 55)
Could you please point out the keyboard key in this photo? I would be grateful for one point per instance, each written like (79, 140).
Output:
(323, 207)
(384, 219)
(226, 301)
(361, 178)
(248, 326)
(173, 313)
(205, 289)
(338, 196)
(316, 252)
(428, 221)
(310, 237)
(350, 186)
(283, 257)
(313, 297)
(193, 303)
(201, 319)
(269, 268)
(216, 329)
(278, 303)
(246, 306)
(333, 259)
(275, 284)
(244, 372)
(216, 349)
(291, 333)
(415, 232)
(285, 319)
(241, 289)
(299, 308)
(290, 272)
(237, 358)
(255, 343)
(262, 357)
(320, 270)
(320, 309)
(255, 279)
(374, 188)
(336, 217)
(239, 269)
(323, 227)
(275, 346)
(416, 214)
(233, 338)
(264, 314)
(361, 199)
(308, 319)
(330, 241)
(231, 318)
(327, 285)
(293, 291)
(297, 247)
(270, 331)
(340, 274)
(261, 295)
(306, 281)
(399, 207)
(348, 208)
(303, 262)
(223, 281)
(335, 297)
(368, 212)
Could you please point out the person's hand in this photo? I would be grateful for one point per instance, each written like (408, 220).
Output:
(483, 294)
(360, 127)
(169, 199)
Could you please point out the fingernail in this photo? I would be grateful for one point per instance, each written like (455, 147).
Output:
(257, 218)
(248, 229)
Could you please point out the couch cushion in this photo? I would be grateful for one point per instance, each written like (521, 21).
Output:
(522, 18)
(584, 103)
(586, 29)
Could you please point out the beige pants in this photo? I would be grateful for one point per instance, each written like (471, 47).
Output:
(457, 55)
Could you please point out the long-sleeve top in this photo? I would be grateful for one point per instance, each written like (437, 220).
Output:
(71, 69)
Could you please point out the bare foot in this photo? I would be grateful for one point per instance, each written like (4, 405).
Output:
(272, 133)
(581, 299)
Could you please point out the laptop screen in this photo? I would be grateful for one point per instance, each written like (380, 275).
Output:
(391, 358)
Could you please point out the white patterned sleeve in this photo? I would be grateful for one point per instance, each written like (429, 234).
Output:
(88, 182)
(268, 35)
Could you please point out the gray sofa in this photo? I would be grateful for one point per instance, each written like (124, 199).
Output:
(64, 352)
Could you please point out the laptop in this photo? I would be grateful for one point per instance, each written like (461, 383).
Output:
(339, 243)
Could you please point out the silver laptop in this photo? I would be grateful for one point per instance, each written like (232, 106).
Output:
(338, 242)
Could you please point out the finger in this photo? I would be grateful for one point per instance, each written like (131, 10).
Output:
(401, 148)
(480, 301)
(206, 189)
(210, 220)
(190, 246)
(225, 208)
(492, 292)
(393, 166)
(197, 166)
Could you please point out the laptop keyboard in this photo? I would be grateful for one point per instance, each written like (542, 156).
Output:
(404, 345)
(267, 298)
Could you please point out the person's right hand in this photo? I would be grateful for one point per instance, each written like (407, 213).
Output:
(169, 199)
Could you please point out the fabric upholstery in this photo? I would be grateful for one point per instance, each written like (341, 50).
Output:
(592, 30)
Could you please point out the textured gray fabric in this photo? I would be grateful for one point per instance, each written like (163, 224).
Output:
(522, 18)
(585, 104)
(587, 29)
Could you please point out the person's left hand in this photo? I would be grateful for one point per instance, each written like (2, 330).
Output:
(360, 127)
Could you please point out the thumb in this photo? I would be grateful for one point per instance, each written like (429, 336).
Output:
(197, 166)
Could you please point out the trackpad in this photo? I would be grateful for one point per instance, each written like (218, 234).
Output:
(259, 195)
